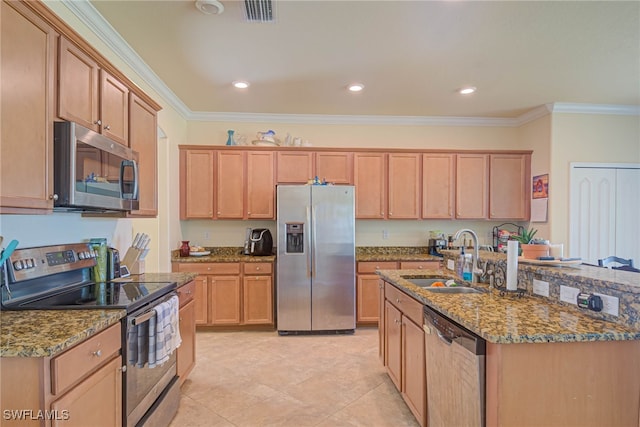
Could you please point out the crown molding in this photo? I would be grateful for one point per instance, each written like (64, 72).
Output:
(90, 16)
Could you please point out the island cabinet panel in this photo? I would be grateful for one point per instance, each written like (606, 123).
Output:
(404, 191)
(509, 189)
(27, 64)
(370, 172)
(393, 343)
(438, 185)
(196, 184)
(294, 167)
(472, 176)
(382, 324)
(186, 353)
(414, 384)
(579, 383)
(334, 167)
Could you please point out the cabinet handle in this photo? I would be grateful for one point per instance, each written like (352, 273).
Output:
(98, 122)
(248, 213)
(107, 127)
(208, 268)
(258, 268)
(419, 267)
(53, 197)
(218, 212)
(398, 300)
(97, 353)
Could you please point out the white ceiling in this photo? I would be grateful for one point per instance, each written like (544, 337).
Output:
(412, 56)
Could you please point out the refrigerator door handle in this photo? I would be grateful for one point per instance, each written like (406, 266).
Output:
(308, 234)
(314, 237)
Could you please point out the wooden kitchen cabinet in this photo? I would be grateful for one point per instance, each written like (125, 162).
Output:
(196, 184)
(201, 296)
(299, 167)
(404, 191)
(334, 167)
(257, 294)
(229, 184)
(382, 324)
(260, 188)
(472, 185)
(224, 300)
(143, 129)
(27, 64)
(370, 172)
(294, 167)
(509, 189)
(91, 96)
(438, 185)
(393, 343)
(420, 265)
(186, 353)
(367, 290)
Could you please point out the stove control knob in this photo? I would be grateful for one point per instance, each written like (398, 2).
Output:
(29, 263)
(17, 265)
(80, 255)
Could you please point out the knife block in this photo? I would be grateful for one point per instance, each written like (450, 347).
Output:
(138, 267)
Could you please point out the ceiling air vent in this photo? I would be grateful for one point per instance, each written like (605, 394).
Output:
(259, 10)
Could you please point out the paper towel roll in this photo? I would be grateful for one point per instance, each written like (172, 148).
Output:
(512, 265)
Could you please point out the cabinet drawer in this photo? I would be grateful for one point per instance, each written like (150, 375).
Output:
(372, 266)
(420, 265)
(84, 358)
(258, 268)
(186, 292)
(211, 267)
(403, 302)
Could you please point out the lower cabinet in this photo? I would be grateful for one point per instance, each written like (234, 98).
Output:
(232, 294)
(404, 350)
(186, 353)
(80, 387)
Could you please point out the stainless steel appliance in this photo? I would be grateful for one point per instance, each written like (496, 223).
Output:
(435, 245)
(58, 277)
(260, 242)
(113, 263)
(92, 172)
(315, 259)
(455, 367)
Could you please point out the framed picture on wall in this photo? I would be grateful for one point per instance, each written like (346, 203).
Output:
(540, 188)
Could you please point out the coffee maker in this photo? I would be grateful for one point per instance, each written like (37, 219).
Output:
(435, 245)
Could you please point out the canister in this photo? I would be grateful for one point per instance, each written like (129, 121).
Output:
(99, 246)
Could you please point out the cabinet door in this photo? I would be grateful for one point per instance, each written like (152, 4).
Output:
(143, 138)
(196, 183)
(114, 108)
(370, 181)
(404, 186)
(336, 168)
(393, 342)
(186, 356)
(381, 324)
(471, 186)
(201, 300)
(438, 185)
(260, 185)
(509, 191)
(96, 401)
(224, 300)
(367, 299)
(27, 61)
(229, 185)
(257, 301)
(78, 86)
(295, 167)
(413, 369)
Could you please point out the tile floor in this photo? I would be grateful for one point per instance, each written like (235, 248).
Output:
(262, 379)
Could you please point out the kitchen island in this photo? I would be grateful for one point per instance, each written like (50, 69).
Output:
(546, 362)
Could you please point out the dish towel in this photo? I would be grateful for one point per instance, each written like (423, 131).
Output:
(167, 332)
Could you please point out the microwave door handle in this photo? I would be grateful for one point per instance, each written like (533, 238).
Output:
(134, 165)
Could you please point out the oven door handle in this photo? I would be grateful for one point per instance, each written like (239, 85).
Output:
(143, 317)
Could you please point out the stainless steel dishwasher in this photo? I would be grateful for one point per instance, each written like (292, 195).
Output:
(455, 359)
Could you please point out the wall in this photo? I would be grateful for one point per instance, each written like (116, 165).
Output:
(586, 138)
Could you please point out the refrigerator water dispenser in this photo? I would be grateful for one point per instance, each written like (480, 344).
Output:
(295, 237)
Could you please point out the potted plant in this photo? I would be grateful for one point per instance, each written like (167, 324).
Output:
(530, 247)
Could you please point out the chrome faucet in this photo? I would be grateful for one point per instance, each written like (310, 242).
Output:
(475, 271)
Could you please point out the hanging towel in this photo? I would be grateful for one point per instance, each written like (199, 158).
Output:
(132, 345)
(167, 330)
(143, 344)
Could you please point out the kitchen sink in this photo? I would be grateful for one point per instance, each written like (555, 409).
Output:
(426, 285)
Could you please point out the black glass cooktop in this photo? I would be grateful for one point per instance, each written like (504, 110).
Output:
(126, 295)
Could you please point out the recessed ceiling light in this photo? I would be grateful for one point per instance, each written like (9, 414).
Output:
(210, 7)
(467, 90)
(356, 87)
(241, 84)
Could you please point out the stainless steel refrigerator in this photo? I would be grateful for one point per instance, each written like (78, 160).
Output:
(315, 275)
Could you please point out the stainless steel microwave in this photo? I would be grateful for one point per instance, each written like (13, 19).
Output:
(92, 172)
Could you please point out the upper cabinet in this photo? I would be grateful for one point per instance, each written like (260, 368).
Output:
(334, 167)
(196, 183)
(298, 167)
(143, 138)
(509, 189)
(89, 95)
(370, 172)
(404, 186)
(438, 185)
(472, 183)
(27, 64)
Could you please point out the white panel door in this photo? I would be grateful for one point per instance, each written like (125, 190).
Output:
(628, 214)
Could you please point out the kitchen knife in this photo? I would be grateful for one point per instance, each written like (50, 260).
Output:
(136, 240)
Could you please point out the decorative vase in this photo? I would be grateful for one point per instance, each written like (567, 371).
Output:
(534, 251)
(230, 138)
(184, 249)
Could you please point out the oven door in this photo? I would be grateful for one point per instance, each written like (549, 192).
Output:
(147, 390)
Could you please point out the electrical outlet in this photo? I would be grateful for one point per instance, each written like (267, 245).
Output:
(385, 234)
(206, 235)
(540, 287)
(569, 294)
(610, 305)
(451, 265)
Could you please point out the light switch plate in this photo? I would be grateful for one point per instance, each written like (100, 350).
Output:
(451, 265)
(569, 294)
(610, 305)
(540, 287)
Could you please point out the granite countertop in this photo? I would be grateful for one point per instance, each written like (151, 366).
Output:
(45, 333)
(222, 254)
(394, 253)
(507, 319)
